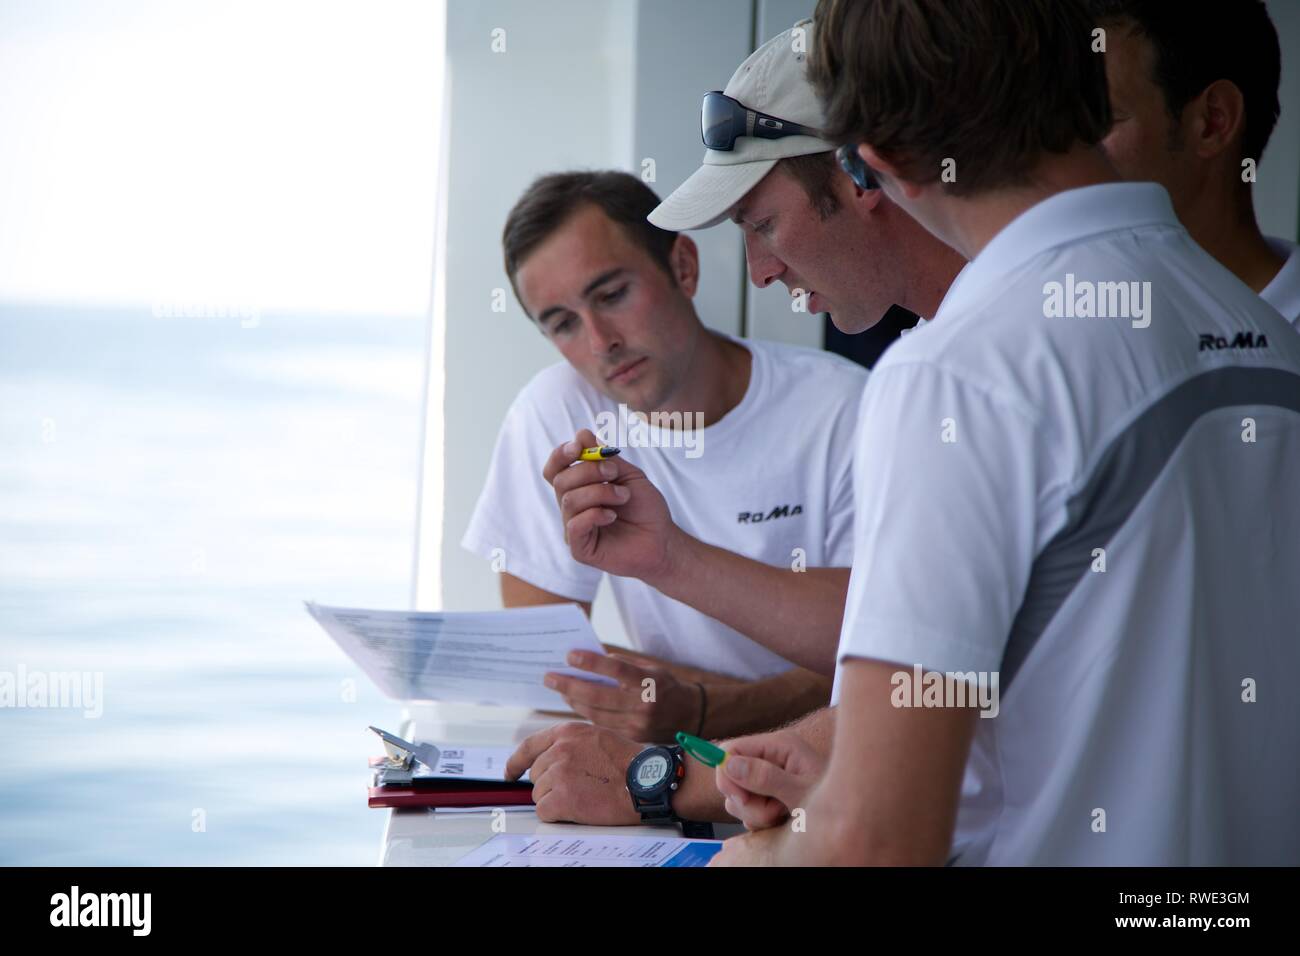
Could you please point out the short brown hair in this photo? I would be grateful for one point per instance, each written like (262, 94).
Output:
(552, 199)
(991, 84)
(816, 173)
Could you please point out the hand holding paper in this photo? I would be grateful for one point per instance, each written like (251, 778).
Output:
(489, 657)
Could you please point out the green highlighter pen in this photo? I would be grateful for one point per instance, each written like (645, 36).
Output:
(706, 753)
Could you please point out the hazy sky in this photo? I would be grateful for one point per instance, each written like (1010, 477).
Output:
(277, 154)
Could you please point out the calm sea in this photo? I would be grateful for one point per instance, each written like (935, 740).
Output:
(171, 490)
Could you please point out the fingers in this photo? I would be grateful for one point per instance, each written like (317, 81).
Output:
(585, 500)
(581, 532)
(594, 472)
(626, 653)
(627, 674)
(581, 499)
(783, 748)
(588, 693)
(562, 457)
(547, 766)
(781, 766)
(624, 708)
(732, 790)
(537, 773)
(762, 777)
(559, 459)
(528, 752)
(548, 808)
(594, 485)
(758, 813)
(752, 809)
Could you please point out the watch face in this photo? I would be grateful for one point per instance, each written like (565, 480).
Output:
(652, 771)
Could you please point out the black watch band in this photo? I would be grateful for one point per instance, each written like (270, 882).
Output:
(655, 803)
(696, 830)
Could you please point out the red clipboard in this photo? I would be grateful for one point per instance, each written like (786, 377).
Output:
(454, 793)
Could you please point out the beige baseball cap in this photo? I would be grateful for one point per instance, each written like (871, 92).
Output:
(772, 80)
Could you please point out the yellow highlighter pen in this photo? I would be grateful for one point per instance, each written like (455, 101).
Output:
(599, 453)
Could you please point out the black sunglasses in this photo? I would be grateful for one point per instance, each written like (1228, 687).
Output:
(858, 171)
(722, 119)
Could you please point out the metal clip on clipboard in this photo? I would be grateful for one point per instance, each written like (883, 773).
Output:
(400, 754)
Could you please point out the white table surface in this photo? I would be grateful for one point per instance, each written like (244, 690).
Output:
(427, 837)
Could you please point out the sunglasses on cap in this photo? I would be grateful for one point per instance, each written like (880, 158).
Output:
(852, 164)
(723, 119)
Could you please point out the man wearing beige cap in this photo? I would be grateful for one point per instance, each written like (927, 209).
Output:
(833, 238)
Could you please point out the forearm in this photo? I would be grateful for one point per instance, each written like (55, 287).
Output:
(736, 709)
(699, 798)
(892, 788)
(796, 614)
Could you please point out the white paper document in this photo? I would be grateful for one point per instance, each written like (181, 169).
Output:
(453, 762)
(467, 763)
(517, 849)
(482, 657)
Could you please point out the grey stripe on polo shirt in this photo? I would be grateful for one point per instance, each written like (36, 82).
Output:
(1125, 473)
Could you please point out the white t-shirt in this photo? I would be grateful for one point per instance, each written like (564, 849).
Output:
(1283, 292)
(771, 476)
(1074, 441)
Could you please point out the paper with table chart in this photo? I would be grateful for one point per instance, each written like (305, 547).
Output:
(518, 849)
(482, 657)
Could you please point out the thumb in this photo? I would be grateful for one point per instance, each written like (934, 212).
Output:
(765, 778)
(626, 471)
(586, 438)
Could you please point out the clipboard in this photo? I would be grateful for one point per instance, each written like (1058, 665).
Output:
(405, 788)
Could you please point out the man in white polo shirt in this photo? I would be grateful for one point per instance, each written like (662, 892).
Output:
(1080, 510)
(1194, 96)
(750, 443)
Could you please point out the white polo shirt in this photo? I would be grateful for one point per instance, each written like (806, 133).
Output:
(1283, 292)
(771, 480)
(1148, 711)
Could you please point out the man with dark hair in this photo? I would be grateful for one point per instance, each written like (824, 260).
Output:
(748, 442)
(1194, 95)
(551, 199)
(1074, 493)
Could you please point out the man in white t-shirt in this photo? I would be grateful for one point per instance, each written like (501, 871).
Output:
(1071, 621)
(1194, 91)
(749, 442)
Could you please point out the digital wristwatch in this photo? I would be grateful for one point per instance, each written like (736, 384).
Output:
(652, 778)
